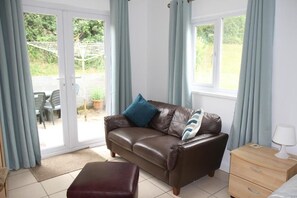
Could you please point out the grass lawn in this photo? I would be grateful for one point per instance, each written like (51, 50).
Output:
(230, 67)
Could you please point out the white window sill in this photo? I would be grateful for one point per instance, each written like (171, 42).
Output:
(215, 94)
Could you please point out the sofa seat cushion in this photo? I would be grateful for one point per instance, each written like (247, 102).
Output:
(126, 137)
(158, 150)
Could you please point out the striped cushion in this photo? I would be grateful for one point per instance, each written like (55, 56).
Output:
(193, 125)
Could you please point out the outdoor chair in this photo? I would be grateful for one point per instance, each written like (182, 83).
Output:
(53, 104)
(39, 98)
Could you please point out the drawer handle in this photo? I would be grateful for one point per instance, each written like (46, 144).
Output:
(255, 170)
(253, 191)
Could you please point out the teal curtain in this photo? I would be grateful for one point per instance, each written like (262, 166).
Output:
(120, 56)
(17, 109)
(252, 116)
(179, 53)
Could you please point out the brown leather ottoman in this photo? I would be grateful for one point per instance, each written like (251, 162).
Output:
(105, 179)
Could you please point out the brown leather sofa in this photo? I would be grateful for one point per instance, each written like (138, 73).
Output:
(159, 150)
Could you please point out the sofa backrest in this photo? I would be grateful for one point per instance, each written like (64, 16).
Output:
(211, 123)
(179, 121)
(161, 121)
(172, 120)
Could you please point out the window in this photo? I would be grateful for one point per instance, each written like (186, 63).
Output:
(218, 49)
(204, 54)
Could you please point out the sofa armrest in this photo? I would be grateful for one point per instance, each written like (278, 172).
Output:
(116, 121)
(195, 140)
(207, 144)
(113, 122)
(197, 157)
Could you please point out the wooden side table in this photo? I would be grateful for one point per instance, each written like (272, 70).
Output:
(256, 172)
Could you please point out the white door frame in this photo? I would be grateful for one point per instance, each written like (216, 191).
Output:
(66, 72)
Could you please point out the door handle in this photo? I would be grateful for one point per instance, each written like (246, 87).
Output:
(62, 79)
(73, 79)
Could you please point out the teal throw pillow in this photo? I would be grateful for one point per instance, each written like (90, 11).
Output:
(140, 112)
(193, 125)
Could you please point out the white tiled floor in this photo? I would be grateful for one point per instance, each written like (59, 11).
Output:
(22, 184)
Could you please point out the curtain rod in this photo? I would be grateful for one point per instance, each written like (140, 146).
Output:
(168, 5)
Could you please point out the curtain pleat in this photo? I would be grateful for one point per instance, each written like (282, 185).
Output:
(179, 53)
(120, 56)
(17, 109)
(252, 116)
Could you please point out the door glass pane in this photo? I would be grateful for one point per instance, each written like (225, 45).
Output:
(204, 54)
(231, 52)
(89, 66)
(42, 43)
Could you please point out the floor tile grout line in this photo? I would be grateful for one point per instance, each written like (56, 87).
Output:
(44, 189)
(163, 194)
(23, 186)
(196, 186)
(220, 190)
(211, 194)
(17, 174)
(158, 186)
(56, 192)
(48, 194)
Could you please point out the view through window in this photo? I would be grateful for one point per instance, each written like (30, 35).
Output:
(218, 53)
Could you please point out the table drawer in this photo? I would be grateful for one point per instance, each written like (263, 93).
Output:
(262, 176)
(241, 188)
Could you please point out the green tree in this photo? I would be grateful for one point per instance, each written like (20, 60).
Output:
(88, 30)
(206, 33)
(40, 27)
(43, 28)
(234, 30)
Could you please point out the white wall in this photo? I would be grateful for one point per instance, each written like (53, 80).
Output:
(285, 66)
(203, 8)
(100, 5)
(158, 36)
(138, 21)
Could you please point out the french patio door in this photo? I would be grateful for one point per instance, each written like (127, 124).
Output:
(67, 51)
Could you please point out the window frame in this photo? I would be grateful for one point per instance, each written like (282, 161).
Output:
(218, 22)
